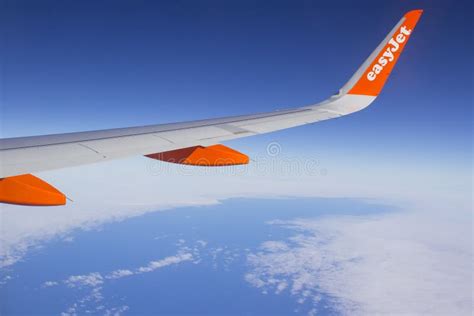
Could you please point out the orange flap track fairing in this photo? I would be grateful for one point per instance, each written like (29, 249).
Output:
(212, 156)
(29, 190)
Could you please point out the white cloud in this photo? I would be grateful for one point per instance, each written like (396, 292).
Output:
(117, 274)
(281, 286)
(399, 263)
(95, 279)
(5, 279)
(202, 243)
(274, 246)
(92, 279)
(417, 258)
(116, 190)
(117, 311)
(153, 265)
(50, 283)
(94, 282)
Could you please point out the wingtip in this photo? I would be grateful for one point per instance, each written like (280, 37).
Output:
(414, 13)
(370, 78)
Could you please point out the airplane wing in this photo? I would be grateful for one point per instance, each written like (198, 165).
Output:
(193, 143)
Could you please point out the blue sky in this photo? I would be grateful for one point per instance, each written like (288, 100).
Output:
(73, 66)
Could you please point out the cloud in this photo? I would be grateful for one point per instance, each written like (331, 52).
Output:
(422, 254)
(117, 274)
(92, 279)
(50, 283)
(94, 282)
(116, 311)
(5, 279)
(90, 285)
(273, 246)
(117, 190)
(397, 263)
(202, 243)
(95, 279)
(153, 265)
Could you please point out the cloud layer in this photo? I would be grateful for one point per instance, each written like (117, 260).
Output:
(415, 261)
(93, 301)
(121, 189)
(369, 265)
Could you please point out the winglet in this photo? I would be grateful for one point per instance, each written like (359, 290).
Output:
(370, 78)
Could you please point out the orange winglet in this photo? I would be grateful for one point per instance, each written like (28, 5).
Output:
(29, 190)
(212, 156)
(375, 76)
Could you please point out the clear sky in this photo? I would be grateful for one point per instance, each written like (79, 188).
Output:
(83, 65)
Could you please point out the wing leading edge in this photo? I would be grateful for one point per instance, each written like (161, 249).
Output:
(24, 155)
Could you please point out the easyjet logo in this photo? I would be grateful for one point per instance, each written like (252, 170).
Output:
(388, 54)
